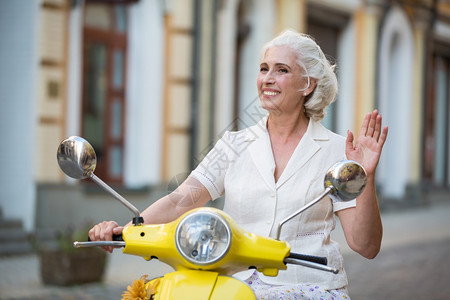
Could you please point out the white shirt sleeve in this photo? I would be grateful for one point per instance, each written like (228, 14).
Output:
(212, 169)
(337, 206)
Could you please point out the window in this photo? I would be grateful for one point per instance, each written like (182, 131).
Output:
(325, 25)
(104, 61)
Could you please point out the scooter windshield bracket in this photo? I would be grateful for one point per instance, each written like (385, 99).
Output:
(138, 221)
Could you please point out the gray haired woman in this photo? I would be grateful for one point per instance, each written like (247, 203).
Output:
(276, 166)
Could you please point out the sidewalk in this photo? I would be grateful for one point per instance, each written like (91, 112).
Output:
(409, 226)
(20, 278)
(413, 264)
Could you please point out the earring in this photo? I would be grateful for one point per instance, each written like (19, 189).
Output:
(304, 94)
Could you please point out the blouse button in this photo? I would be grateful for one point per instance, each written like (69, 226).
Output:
(272, 195)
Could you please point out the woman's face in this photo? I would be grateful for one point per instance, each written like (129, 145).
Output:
(279, 80)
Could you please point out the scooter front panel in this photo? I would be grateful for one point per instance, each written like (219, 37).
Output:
(201, 285)
(185, 285)
(230, 288)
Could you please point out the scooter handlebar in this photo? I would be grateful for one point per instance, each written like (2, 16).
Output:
(115, 237)
(310, 261)
(315, 259)
(117, 241)
(77, 244)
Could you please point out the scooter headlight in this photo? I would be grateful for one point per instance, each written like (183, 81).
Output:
(203, 237)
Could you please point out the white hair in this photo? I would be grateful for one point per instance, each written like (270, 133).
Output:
(316, 65)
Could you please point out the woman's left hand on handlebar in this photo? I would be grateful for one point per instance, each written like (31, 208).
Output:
(104, 232)
(369, 143)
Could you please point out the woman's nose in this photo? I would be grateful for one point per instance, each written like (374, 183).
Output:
(268, 78)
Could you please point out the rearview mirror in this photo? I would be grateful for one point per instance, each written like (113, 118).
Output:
(347, 179)
(76, 157)
(78, 160)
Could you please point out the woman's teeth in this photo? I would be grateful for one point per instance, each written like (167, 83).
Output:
(270, 93)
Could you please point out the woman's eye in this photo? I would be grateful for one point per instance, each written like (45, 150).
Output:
(283, 70)
(263, 69)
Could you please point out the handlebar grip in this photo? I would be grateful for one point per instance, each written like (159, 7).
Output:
(115, 238)
(315, 259)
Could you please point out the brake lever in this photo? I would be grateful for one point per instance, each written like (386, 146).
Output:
(77, 244)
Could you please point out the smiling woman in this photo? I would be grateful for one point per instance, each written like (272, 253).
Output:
(307, 58)
(267, 171)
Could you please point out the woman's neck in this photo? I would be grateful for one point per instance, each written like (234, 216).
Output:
(285, 127)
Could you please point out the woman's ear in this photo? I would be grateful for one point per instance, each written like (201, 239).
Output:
(312, 86)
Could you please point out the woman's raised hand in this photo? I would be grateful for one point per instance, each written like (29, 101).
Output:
(104, 232)
(368, 146)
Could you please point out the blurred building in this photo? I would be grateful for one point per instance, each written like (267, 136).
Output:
(152, 84)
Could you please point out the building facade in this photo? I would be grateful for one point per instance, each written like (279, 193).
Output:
(153, 84)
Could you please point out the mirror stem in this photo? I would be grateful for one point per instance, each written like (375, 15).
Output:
(137, 220)
(327, 191)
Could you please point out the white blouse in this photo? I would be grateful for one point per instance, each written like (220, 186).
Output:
(241, 167)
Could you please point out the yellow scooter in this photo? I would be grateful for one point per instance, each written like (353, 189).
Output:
(205, 246)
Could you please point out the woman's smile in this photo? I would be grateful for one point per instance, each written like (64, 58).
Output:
(270, 92)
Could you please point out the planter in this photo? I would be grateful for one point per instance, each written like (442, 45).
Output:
(64, 268)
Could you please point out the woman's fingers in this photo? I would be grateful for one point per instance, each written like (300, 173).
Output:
(94, 233)
(118, 230)
(383, 136)
(349, 141)
(371, 126)
(378, 135)
(103, 232)
(365, 125)
(372, 123)
(107, 234)
(377, 130)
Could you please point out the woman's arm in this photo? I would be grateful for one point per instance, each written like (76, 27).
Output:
(362, 224)
(189, 195)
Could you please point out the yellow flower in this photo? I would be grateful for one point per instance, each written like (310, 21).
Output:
(137, 290)
(152, 287)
